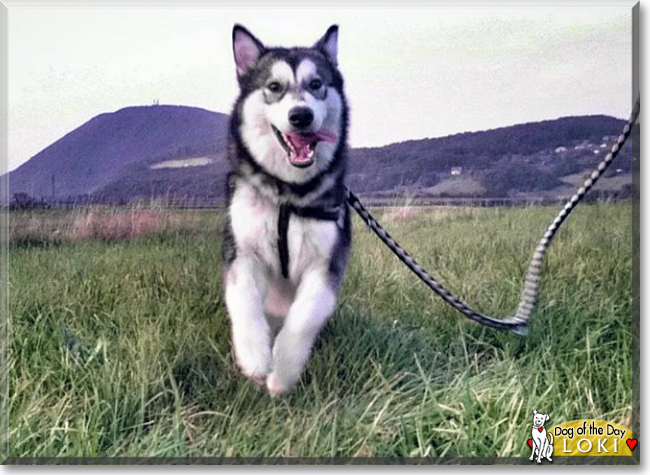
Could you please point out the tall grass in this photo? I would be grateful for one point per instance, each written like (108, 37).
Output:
(38, 228)
(122, 347)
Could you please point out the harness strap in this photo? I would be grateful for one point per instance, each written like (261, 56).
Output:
(311, 212)
(283, 245)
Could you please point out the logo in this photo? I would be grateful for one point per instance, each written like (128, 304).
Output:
(580, 438)
(540, 444)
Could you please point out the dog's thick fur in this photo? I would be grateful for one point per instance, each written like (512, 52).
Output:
(288, 157)
(541, 444)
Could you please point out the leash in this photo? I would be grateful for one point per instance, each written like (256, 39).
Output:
(517, 323)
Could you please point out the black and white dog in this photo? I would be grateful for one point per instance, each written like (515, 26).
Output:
(287, 231)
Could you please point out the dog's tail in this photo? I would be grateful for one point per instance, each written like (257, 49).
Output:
(551, 435)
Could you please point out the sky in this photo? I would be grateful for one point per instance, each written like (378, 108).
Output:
(411, 72)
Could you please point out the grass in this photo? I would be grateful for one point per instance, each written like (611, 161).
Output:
(121, 347)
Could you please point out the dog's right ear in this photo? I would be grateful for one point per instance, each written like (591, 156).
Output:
(247, 49)
(535, 411)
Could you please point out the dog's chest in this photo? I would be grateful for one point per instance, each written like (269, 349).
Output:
(254, 220)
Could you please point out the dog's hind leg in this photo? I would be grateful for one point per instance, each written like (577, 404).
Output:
(549, 447)
(251, 336)
(315, 302)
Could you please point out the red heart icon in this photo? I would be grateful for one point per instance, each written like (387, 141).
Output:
(631, 443)
(530, 443)
(540, 429)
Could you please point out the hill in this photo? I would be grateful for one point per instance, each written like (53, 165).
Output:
(108, 147)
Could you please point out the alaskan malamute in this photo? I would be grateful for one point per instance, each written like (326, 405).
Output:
(287, 231)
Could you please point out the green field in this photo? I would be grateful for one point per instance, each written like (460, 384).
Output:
(119, 345)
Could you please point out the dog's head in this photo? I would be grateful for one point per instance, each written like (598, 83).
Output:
(539, 419)
(291, 108)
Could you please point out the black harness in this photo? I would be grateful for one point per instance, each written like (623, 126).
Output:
(311, 212)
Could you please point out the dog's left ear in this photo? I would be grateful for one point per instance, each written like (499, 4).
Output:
(329, 43)
(548, 418)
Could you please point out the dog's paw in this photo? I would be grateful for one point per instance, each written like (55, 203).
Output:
(257, 376)
(275, 387)
(254, 365)
(259, 379)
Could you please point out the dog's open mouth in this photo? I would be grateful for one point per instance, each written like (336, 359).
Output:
(300, 146)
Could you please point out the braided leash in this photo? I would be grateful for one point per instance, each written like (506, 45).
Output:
(518, 323)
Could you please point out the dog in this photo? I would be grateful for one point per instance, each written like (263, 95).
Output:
(541, 444)
(287, 233)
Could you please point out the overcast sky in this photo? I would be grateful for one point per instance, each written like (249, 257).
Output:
(410, 72)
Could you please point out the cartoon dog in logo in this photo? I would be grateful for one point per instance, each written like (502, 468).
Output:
(541, 444)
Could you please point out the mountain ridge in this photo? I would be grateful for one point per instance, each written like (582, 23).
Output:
(109, 158)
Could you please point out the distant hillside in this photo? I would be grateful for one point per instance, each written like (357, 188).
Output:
(178, 153)
(186, 185)
(106, 147)
(502, 160)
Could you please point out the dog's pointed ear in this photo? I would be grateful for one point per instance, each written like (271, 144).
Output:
(535, 411)
(246, 47)
(548, 418)
(329, 43)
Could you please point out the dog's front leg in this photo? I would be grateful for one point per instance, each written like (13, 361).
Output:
(541, 450)
(314, 303)
(251, 336)
(532, 455)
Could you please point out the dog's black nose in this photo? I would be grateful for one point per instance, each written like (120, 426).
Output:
(301, 117)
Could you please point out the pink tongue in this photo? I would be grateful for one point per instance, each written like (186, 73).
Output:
(302, 144)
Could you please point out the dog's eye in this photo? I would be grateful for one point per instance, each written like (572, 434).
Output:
(315, 84)
(274, 87)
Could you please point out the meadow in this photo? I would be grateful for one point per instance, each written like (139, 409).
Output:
(119, 342)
